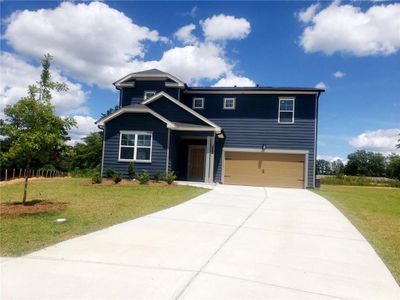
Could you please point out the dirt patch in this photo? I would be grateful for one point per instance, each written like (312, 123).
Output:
(31, 207)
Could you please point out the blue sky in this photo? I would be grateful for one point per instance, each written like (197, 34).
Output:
(268, 43)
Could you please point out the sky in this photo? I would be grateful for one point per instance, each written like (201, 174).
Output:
(352, 49)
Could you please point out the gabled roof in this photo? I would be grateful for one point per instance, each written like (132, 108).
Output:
(183, 106)
(140, 108)
(152, 73)
(136, 108)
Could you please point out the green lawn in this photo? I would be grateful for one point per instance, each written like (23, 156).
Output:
(90, 207)
(376, 214)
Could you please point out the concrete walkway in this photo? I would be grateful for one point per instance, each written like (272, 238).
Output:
(233, 242)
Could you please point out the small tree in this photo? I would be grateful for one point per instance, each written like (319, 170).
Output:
(323, 167)
(31, 126)
(337, 167)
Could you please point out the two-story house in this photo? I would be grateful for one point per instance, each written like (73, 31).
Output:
(263, 136)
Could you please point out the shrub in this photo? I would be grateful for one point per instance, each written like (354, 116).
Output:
(169, 177)
(157, 176)
(117, 177)
(144, 178)
(96, 178)
(110, 173)
(360, 181)
(131, 170)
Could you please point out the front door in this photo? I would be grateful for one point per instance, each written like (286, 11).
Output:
(196, 162)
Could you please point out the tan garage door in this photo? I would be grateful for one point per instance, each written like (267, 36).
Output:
(264, 169)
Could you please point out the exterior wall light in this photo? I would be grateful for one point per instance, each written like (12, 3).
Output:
(264, 147)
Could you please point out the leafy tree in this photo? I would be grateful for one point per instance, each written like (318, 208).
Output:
(363, 163)
(31, 127)
(87, 155)
(393, 167)
(323, 167)
(337, 167)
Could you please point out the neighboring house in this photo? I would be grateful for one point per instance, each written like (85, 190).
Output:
(234, 135)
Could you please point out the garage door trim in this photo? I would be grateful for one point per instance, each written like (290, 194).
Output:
(279, 151)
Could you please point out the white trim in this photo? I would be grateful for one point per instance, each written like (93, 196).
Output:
(234, 103)
(136, 133)
(278, 151)
(102, 154)
(253, 92)
(134, 110)
(194, 101)
(163, 94)
(205, 158)
(127, 84)
(284, 151)
(183, 128)
(178, 83)
(292, 111)
(168, 143)
(315, 139)
(146, 92)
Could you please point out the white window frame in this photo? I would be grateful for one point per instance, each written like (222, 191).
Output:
(280, 110)
(136, 133)
(145, 97)
(198, 107)
(234, 103)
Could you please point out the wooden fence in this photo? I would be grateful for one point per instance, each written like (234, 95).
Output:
(10, 174)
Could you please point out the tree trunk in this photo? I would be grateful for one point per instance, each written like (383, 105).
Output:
(26, 181)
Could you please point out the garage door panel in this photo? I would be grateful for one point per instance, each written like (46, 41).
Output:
(264, 169)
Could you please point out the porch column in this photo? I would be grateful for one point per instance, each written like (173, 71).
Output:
(209, 159)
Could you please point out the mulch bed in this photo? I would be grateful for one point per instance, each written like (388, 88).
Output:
(125, 182)
(31, 207)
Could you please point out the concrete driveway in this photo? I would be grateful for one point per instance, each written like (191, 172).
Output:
(233, 242)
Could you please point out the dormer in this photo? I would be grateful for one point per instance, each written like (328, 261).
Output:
(138, 86)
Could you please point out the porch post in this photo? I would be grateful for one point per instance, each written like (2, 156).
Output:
(207, 170)
(212, 150)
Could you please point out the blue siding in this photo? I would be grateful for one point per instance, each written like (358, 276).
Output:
(135, 95)
(173, 112)
(255, 122)
(137, 122)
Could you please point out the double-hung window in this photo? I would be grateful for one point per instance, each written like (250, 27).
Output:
(149, 94)
(198, 103)
(286, 110)
(135, 146)
(229, 103)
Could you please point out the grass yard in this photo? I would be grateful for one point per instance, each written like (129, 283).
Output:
(89, 208)
(376, 214)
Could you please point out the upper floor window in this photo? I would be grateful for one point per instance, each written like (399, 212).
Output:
(286, 110)
(198, 103)
(148, 94)
(229, 103)
(135, 146)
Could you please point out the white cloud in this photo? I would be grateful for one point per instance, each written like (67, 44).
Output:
(85, 125)
(348, 29)
(89, 41)
(16, 75)
(338, 74)
(381, 140)
(94, 50)
(306, 15)
(234, 80)
(222, 27)
(184, 34)
(321, 85)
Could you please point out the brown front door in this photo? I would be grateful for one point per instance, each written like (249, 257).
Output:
(196, 161)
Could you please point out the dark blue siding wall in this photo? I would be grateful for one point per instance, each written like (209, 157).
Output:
(255, 122)
(136, 122)
(173, 112)
(135, 95)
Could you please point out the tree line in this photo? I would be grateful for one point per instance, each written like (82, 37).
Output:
(362, 163)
